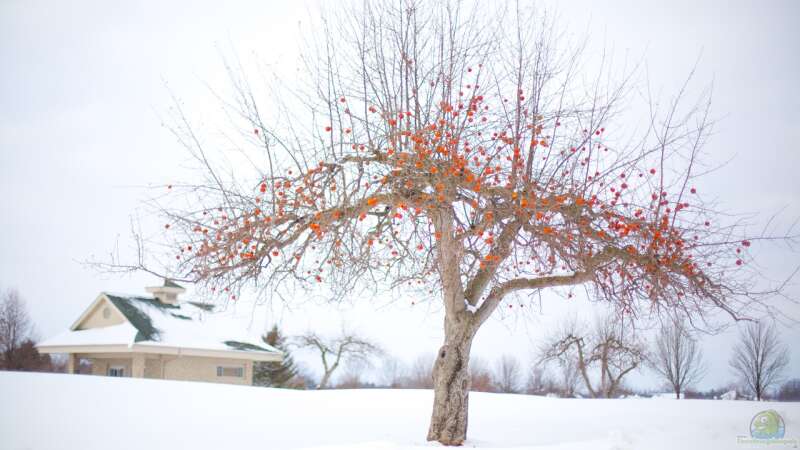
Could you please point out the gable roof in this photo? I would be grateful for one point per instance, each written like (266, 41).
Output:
(138, 318)
(172, 284)
(151, 323)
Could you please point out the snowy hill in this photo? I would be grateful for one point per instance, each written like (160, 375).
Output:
(54, 411)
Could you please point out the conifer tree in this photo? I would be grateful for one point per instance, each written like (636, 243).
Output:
(276, 374)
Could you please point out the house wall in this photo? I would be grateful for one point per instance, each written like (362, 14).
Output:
(152, 367)
(195, 368)
(187, 368)
(100, 365)
(96, 318)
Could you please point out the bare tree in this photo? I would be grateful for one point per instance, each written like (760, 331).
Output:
(17, 341)
(506, 374)
(346, 348)
(460, 150)
(15, 327)
(570, 376)
(393, 372)
(539, 381)
(567, 377)
(677, 357)
(419, 376)
(790, 391)
(353, 376)
(759, 358)
(609, 348)
(480, 377)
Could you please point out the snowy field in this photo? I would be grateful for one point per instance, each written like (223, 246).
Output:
(51, 411)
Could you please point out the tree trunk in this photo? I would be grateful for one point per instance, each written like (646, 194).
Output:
(323, 383)
(451, 384)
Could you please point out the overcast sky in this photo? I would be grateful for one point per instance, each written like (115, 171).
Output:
(83, 96)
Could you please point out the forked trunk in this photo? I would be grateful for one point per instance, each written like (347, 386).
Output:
(451, 384)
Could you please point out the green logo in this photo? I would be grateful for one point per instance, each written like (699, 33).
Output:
(767, 425)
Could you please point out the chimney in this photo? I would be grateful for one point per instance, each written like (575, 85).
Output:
(168, 293)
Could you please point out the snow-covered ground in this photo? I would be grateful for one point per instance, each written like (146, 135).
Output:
(54, 411)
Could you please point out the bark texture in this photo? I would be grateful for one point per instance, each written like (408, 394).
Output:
(451, 384)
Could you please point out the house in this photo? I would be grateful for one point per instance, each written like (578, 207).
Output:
(161, 337)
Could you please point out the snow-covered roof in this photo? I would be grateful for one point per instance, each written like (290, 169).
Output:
(153, 324)
(122, 334)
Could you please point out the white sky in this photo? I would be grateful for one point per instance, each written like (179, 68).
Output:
(82, 96)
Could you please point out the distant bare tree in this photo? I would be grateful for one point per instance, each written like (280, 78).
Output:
(609, 347)
(480, 377)
(15, 325)
(790, 391)
(506, 374)
(393, 372)
(566, 378)
(570, 377)
(677, 357)
(17, 346)
(352, 378)
(348, 348)
(420, 375)
(759, 358)
(539, 381)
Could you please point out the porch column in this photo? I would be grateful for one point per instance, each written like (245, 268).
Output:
(137, 365)
(248, 372)
(72, 363)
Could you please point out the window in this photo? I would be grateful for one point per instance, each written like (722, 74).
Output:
(106, 312)
(230, 371)
(116, 371)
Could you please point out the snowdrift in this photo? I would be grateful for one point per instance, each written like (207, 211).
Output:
(56, 411)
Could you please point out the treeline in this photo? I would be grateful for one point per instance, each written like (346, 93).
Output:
(507, 374)
(578, 359)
